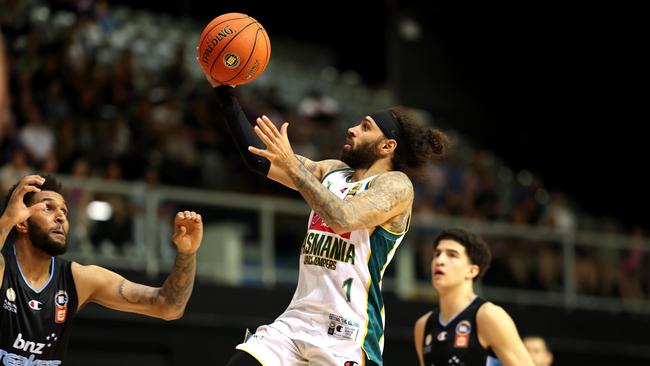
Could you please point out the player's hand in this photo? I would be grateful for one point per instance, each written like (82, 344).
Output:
(16, 211)
(188, 232)
(278, 149)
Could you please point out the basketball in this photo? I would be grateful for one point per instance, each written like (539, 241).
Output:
(234, 49)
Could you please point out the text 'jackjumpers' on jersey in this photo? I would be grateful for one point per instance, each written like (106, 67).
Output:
(35, 323)
(338, 303)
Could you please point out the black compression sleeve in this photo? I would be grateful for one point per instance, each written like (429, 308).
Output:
(241, 130)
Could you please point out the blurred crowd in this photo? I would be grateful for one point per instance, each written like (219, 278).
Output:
(85, 93)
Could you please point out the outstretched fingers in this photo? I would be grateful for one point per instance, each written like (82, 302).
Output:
(270, 126)
(264, 134)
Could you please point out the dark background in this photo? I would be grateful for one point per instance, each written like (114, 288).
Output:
(552, 87)
(209, 331)
(555, 88)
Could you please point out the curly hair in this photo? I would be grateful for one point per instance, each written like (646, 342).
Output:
(422, 144)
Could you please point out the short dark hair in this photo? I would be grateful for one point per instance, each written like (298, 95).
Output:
(50, 184)
(424, 144)
(477, 249)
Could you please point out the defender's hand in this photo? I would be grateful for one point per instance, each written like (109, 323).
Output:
(16, 211)
(188, 232)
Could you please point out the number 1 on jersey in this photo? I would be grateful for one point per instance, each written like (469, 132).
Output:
(347, 285)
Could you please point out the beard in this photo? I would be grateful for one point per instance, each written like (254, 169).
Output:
(42, 240)
(361, 157)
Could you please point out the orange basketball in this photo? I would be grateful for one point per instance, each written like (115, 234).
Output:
(234, 49)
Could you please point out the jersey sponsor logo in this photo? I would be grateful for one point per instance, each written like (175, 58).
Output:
(10, 306)
(35, 305)
(342, 328)
(7, 358)
(463, 329)
(61, 306)
(11, 294)
(61, 298)
(318, 224)
(33, 347)
(325, 250)
(331, 328)
(8, 303)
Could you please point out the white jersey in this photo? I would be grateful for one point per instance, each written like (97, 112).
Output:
(338, 303)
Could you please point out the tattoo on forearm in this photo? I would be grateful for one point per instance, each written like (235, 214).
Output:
(178, 287)
(388, 191)
(310, 165)
(319, 198)
(399, 224)
(137, 294)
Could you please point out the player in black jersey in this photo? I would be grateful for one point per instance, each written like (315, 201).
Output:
(41, 293)
(465, 330)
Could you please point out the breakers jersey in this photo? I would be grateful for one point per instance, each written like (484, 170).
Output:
(456, 343)
(35, 324)
(338, 303)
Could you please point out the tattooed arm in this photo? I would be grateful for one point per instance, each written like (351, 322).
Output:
(107, 288)
(386, 202)
(317, 168)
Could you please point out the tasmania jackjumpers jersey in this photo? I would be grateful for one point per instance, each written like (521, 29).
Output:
(35, 323)
(456, 342)
(338, 303)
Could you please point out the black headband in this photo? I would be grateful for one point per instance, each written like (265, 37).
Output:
(392, 129)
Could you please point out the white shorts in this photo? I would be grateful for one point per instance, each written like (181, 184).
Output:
(272, 348)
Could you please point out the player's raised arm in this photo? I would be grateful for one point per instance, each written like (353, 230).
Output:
(244, 136)
(107, 288)
(389, 195)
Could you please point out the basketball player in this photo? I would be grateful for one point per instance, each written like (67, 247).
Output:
(465, 329)
(361, 210)
(41, 292)
(538, 350)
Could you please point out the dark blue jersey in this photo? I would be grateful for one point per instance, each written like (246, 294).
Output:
(35, 323)
(456, 342)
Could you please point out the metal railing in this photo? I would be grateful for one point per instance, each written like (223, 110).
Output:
(243, 251)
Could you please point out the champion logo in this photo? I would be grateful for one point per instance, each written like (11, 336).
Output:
(35, 305)
(442, 336)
